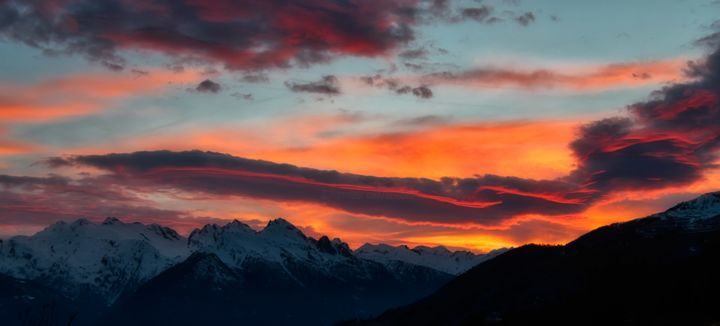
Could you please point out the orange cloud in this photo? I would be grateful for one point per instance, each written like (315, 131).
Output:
(11, 146)
(80, 94)
(529, 149)
(8, 147)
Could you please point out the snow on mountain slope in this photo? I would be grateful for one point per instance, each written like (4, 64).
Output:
(703, 207)
(101, 259)
(438, 258)
(279, 242)
(83, 258)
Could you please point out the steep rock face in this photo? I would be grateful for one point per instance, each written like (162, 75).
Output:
(438, 258)
(88, 259)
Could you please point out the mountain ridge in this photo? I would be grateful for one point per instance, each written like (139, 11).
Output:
(660, 269)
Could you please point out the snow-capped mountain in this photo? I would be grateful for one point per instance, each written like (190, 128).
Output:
(703, 207)
(438, 258)
(235, 242)
(83, 257)
(283, 246)
(237, 273)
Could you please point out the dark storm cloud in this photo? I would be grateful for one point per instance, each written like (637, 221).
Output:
(242, 34)
(208, 86)
(327, 85)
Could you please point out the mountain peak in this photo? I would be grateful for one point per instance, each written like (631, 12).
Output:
(333, 247)
(437, 250)
(237, 225)
(111, 220)
(439, 258)
(279, 222)
(282, 226)
(702, 207)
(80, 222)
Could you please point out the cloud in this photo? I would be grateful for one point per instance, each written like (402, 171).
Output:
(444, 11)
(525, 19)
(531, 149)
(396, 86)
(422, 92)
(255, 78)
(242, 35)
(670, 140)
(327, 85)
(39, 201)
(243, 96)
(425, 120)
(484, 199)
(412, 54)
(80, 94)
(13, 146)
(208, 86)
(45, 199)
(479, 14)
(631, 74)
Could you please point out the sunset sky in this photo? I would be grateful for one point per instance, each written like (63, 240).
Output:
(469, 124)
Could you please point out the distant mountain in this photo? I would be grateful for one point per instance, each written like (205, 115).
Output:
(439, 258)
(658, 270)
(143, 274)
(84, 259)
(276, 276)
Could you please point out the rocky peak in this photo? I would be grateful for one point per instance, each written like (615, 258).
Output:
(334, 247)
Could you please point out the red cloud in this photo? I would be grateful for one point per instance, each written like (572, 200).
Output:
(243, 34)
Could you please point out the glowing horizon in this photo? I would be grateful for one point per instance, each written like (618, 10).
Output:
(377, 121)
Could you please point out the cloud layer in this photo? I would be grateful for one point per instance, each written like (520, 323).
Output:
(669, 140)
(242, 35)
(487, 199)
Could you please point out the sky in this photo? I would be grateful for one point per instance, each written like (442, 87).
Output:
(469, 124)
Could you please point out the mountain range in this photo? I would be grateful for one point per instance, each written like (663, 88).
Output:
(660, 269)
(90, 271)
